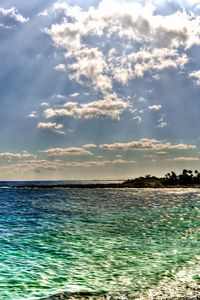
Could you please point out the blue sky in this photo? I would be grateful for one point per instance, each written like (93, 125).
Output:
(104, 90)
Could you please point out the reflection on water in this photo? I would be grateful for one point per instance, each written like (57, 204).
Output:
(112, 240)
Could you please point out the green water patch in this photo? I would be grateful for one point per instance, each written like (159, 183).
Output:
(113, 241)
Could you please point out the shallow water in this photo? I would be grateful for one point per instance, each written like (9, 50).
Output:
(112, 240)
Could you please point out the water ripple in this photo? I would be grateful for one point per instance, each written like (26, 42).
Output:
(94, 241)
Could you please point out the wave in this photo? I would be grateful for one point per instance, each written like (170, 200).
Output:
(183, 285)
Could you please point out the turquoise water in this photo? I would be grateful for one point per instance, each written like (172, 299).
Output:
(112, 240)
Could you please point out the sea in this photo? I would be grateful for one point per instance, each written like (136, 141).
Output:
(112, 241)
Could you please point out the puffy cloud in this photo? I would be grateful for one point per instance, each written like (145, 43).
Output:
(139, 22)
(21, 155)
(50, 112)
(90, 64)
(43, 13)
(59, 128)
(70, 104)
(145, 144)
(195, 75)
(181, 146)
(155, 107)
(65, 35)
(123, 67)
(128, 24)
(67, 151)
(87, 146)
(50, 125)
(30, 166)
(156, 60)
(109, 106)
(61, 67)
(11, 17)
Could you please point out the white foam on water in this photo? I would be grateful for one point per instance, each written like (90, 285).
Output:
(182, 285)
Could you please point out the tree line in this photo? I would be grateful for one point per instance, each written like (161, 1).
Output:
(187, 177)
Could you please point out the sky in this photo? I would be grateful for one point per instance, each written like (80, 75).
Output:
(94, 89)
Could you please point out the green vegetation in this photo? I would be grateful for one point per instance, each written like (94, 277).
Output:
(186, 178)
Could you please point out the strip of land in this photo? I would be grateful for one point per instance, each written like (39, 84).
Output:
(187, 179)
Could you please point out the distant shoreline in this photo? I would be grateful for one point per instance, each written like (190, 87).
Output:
(98, 185)
(187, 179)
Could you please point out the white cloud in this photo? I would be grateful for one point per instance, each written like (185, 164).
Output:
(145, 144)
(12, 16)
(50, 112)
(11, 155)
(43, 13)
(44, 104)
(156, 60)
(87, 146)
(75, 95)
(61, 67)
(59, 128)
(33, 114)
(90, 64)
(50, 125)
(70, 104)
(106, 46)
(122, 161)
(75, 12)
(109, 106)
(66, 35)
(155, 107)
(67, 151)
(184, 158)
(132, 20)
(30, 166)
(125, 24)
(43, 165)
(126, 66)
(195, 75)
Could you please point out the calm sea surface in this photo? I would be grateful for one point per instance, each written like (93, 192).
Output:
(112, 240)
